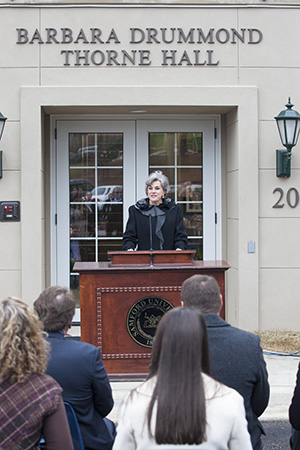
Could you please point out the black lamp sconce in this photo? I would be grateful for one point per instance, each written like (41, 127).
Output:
(288, 123)
(2, 123)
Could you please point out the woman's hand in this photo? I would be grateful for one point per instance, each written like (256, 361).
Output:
(178, 249)
(130, 249)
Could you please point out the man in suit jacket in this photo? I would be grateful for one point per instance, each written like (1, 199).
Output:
(78, 368)
(236, 357)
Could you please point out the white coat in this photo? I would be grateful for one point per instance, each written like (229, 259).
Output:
(225, 414)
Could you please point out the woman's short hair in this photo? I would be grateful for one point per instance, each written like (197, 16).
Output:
(55, 307)
(158, 176)
(180, 355)
(23, 348)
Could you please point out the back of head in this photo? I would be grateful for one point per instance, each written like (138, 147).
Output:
(23, 349)
(180, 344)
(55, 307)
(180, 355)
(201, 292)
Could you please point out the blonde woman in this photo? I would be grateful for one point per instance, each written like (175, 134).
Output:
(31, 402)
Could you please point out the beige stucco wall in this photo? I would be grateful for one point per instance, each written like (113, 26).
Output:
(248, 88)
(156, 2)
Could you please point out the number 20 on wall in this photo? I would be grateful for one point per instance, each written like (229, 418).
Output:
(292, 197)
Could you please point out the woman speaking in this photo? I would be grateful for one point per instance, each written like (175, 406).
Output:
(155, 222)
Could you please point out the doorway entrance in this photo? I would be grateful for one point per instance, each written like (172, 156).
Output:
(100, 170)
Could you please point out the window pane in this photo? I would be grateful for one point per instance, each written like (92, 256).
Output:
(96, 198)
(110, 149)
(189, 184)
(109, 179)
(74, 287)
(194, 223)
(189, 149)
(108, 245)
(109, 189)
(161, 149)
(179, 157)
(81, 149)
(81, 182)
(110, 219)
(196, 244)
(81, 250)
(82, 220)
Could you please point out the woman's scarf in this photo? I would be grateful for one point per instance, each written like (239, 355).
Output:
(156, 211)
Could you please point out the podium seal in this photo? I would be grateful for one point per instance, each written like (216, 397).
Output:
(143, 318)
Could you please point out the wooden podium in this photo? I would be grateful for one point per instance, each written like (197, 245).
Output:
(123, 300)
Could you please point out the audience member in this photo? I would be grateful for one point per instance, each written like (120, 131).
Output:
(180, 403)
(78, 368)
(30, 400)
(90, 213)
(235, 355)
(294, 415)
(112, 214)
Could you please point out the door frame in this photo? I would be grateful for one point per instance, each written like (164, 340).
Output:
(74, 120)
(207, 126)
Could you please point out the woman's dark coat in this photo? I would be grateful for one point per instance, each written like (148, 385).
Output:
(138, 227)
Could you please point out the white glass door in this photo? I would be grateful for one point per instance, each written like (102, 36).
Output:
(99, 170)
(93, 160)
(185, 151)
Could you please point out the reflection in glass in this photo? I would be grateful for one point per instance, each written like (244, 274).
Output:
(108, 245)
(178, 150)
(179, 157)
(109, 179)
(193, 219)
(110, 187)
(193, 224)
(189, 149)
(81, 250)
(74, 281)
(81, 182)
(82, 219)
(196, 244)
(110, 219)
(189, 184)
(110, 149)
(161, 149)
(96, 198)
(82, 149)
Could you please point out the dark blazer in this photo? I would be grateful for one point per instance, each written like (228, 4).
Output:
(138, 228)
(236, 360)
(78, 368)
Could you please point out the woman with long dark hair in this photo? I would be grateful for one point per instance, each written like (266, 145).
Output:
(180, 403)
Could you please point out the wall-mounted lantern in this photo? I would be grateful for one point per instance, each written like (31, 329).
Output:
(2, 123)
(288, 123)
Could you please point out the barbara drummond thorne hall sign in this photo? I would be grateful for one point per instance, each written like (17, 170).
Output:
(141, 47)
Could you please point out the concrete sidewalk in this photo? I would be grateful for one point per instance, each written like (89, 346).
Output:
(282, 377)
(282, 372)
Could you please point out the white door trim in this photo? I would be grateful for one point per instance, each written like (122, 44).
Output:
(134, 169)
